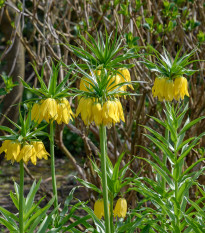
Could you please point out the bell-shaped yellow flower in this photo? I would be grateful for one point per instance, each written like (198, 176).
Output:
(85, 109)
(125, 77)
(99, 208)
(39, 151)
(11, 149)
(46, 110)
(109, 114)
(85, 83)
(120, 208)
(180, 88)
(158, 88)
(26, 153)
(35, 113)
(64, 112)
(15, 152)
(167, 89)
(50, 109)
(112, 113)
(115, 80)
(97, 113)
(122, 76)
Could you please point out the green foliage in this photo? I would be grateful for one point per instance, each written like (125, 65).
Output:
(2, 3)
(34, 217)
(132, 41)
(169, 193)
(54, 90)
(59, 221)
(115, 176)
(116, 180)
(103, 53)
(170, 10)
(168, 67)
(26, 129)
(191, 25)
(201, 37)
(9, 85)
(149, 23)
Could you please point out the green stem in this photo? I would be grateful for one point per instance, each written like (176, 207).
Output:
(103, 141)
(21, 198)
(175, 175)
(53, 164)
(111, 214)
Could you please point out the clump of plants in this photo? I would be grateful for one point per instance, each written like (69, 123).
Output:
(105, 81)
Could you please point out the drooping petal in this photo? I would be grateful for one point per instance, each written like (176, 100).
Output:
(99, 208)
(125, 77)
(97, 113)
(120, 208)
(35, 113)
(181, 88)
(4, 146)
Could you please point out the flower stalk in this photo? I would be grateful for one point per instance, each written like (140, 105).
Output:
(111, 213)
(53, 164)
(104, 176)
(21, 198)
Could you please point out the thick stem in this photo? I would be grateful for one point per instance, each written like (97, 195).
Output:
(103, 141)
(53, 164)
(21, 198)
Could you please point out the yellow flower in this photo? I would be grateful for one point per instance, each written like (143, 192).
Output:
(120, 208)
(99, 208)
(26, 152)
(125, 77)
(97, 113)
(85, 82)
(35, 113)
(85, 109)
(39, 151)
(166, 89)
(112, 113)
(109, 114)
(158, 88)
(115, 80)
(122, 77)
(64, 112)
(11, 149)
(14, 152)
(50, 109)
(46, 110)
(169, 90)
(180, 88)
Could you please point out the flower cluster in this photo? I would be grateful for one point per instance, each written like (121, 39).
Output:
(120, 209)
(122, 76)
(110, 113)
(15, 151)
(51, 109)
(167, 89)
